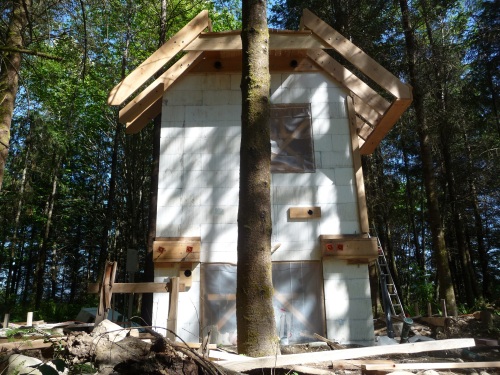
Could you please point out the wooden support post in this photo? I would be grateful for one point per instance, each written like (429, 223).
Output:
(6, 318)
(29, 319)
(443, 305)
(417, 310)
(429, 309)
(172, 308)
(106, 291)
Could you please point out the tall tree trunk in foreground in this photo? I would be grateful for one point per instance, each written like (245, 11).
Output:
(9, 76)
(440, 252)
(254, 308)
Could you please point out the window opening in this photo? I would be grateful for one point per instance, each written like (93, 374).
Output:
(292, 146)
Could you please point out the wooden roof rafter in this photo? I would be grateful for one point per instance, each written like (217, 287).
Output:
(159, 58)
(401, 92)
(375, 115)
(144, 107)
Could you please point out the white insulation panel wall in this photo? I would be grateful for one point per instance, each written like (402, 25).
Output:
(199, 170)
(348, 311)
(188, 319)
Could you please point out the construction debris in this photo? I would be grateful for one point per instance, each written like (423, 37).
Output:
(300, 359)
(112, 349)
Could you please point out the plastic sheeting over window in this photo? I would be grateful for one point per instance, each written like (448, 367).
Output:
(292, 146)
(297, 301)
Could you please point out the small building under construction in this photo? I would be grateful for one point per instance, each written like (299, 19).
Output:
(323, 118)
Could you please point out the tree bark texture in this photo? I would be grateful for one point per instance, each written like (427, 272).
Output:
(9, 76)
(440, 251)
(254, 309)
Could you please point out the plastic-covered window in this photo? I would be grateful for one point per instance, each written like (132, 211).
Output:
(292, 146)
(297, 301)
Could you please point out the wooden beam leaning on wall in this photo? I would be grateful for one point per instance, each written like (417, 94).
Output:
(158, 59)
(358, 170)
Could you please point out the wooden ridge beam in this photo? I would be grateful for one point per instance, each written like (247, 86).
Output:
(155, 90)
(355, 55)
(158, 59)
(348, 79)
(298, 40)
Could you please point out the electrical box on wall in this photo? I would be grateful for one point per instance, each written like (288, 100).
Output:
(351, 248)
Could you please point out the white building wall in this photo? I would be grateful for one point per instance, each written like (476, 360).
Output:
(199, 185)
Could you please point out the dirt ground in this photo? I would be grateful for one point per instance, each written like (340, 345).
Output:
(481, 326)
(486, 333)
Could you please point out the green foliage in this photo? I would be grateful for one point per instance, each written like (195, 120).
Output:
(62, 127)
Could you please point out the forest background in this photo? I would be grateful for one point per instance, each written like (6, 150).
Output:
(77, 190)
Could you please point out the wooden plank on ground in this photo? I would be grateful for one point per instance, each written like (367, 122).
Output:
(298, 359)
(158, 59)
(308, 370)
(357, 363)
(330, 343)
(28, 344)
(436, 321)
(430, 366)
(193, 345)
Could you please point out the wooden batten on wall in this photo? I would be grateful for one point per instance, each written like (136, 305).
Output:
(177, 250)
(358, 169)
(355, 249)
(304, 213)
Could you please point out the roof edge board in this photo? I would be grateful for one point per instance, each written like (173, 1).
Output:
(349, 80)
(366, 112)
(156, 89)
(144, 118)
(385, 124)
(355, 55)
(158, 59)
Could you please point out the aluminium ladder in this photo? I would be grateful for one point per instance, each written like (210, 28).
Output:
(387, 281)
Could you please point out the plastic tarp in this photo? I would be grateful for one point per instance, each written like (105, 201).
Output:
(297, 301)
(292, 146)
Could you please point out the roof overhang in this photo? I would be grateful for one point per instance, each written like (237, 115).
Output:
(294, 51)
